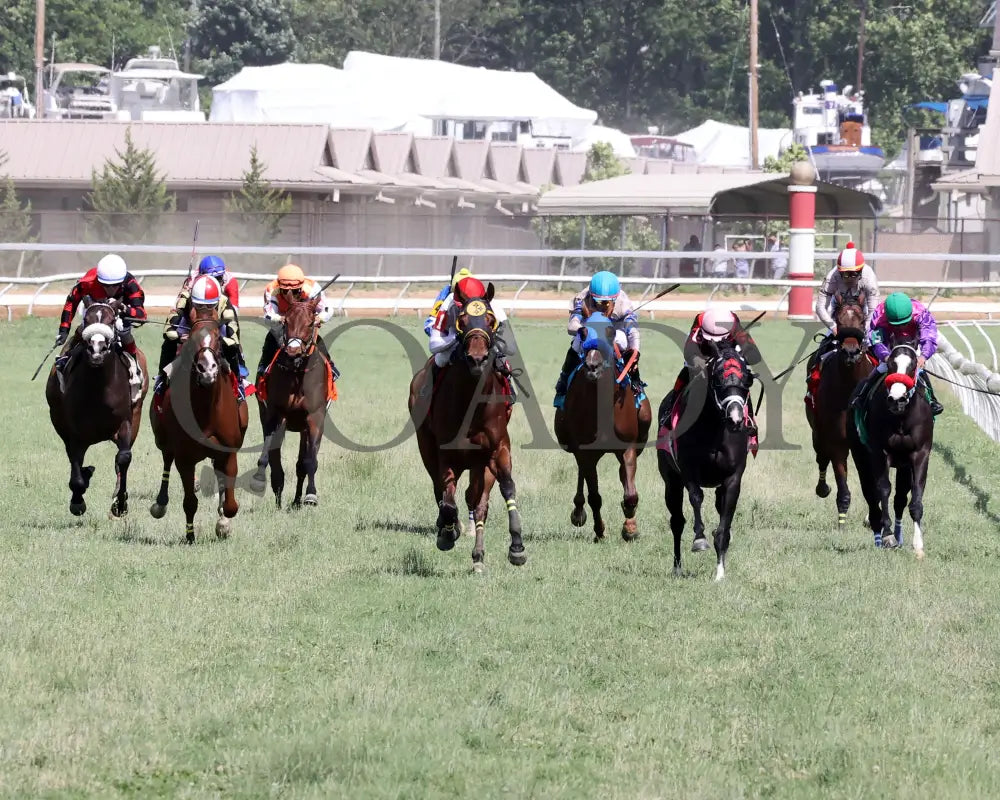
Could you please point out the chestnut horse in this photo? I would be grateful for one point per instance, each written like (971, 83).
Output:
(200, 418)
(461, 425)
(898, 427)
(296, 392)
(600, 416)
(95, 402)
(841, 372)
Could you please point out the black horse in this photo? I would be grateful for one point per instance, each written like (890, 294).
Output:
(895, 428)
(705, 448)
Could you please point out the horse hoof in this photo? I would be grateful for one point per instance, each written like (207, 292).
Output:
(446, 539)
(114, 513)
(699, 545)
(189, 539)
(578, 517)
(919, 554)
(258, 484)
(78, 509)
(822, 490)
(630, 530)
(311, 500)
(517, 557)
(478, 567)
(222, 527)
(156, 511)
(678, 572)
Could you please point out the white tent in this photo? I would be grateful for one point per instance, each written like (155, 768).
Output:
(722, 145)
(618, 140)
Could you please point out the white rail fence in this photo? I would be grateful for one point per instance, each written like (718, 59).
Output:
(976, 385)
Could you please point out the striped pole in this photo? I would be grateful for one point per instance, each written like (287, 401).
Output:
(801, 238)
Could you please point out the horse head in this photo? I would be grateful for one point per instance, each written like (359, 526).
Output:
(597, 343)
(476, 326)
(901, 379)
(300, 328)
(731, 379)
(850, 321)
(207, 343)
(98, 330)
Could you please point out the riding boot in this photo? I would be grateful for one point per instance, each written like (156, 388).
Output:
(936, 407)
(863, 389)
(168, 352)
(268, 353)
(321, 346)
(571, 360)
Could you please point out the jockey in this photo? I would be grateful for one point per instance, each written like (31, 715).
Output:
(291, 285)
(444, 337)
(442, 296)
(603, 295)
(109, 280)
(709, 329)
(205, 291)
(216, 268)
(900, 319)
(179, 322)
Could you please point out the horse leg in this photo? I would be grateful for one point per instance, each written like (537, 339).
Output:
(159, 507)
(579, 516)
(904, 485)
(447, 521)
(505, 477)
(673, 496)
(696, 496)
(274, 461)
(186, 470)
(593, 495)
(864, 466)
(920, 461)
(226, 467)
(476, 492)
(843, 489)
(727, 495)
(300, 467)
(79, 478)
(822, 462)
(119, 504)
(880, 470)
(312, 461)
(630, 501)
(258, 481)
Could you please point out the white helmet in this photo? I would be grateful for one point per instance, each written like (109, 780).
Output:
(205, 291)
(111, 269)
(717, 324)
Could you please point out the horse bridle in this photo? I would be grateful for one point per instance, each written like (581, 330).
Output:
(910, 390)
(109, 332)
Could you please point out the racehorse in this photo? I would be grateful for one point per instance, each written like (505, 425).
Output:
(712, 451)
(461, 425)
(842, 370)
(200, 418)
(95, 403)
(600, 415)
(895, 429)
(296, 391)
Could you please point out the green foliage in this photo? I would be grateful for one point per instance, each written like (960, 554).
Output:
(15, 226)
(228, 35)
(789, 156)
(260, 206)
(128, 196)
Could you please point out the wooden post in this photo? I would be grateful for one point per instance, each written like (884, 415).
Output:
(754, 160)
(39, 57)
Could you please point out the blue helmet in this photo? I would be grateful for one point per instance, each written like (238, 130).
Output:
(604, 286)
(212, 265)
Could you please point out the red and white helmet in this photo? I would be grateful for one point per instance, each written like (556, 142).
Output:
(717, 324)
(205, 291)
(850, 259)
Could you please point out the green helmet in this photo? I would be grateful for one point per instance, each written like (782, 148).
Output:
(898, 308)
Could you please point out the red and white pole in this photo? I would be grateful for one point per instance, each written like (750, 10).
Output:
(801, 238)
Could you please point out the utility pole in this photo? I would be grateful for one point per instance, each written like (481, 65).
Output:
(754, 160)
(39, 57)
(437, 30)
(859, 82)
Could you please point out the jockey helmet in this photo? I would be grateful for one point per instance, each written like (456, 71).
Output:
(604, 286)
(851, 260)
(462, 273)
(205, 291)
(212, 265)
(469, 288)
(898, 308)
(717, 324)
(291, 276)
(111, 269)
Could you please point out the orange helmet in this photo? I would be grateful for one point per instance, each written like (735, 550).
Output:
(291, 276)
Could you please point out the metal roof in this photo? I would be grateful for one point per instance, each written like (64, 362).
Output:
(700, 194)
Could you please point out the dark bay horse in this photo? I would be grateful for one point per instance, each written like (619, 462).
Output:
(200, 418)
(600, 416)
(95, 403)
(842, 370)
(896, 430)
(296, 392)
(461, 425)
(709, 449)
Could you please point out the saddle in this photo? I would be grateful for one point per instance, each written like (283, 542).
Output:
(135, 374)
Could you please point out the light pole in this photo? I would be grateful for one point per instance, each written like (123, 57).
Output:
(437, 30)
(39, 57)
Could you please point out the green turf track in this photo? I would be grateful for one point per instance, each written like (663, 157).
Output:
(335, 652)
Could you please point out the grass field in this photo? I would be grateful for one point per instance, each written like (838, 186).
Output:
(334, 652)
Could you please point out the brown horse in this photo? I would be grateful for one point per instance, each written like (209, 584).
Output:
(461, 425)
(200, 418)
(600, 416)
(296, 391)
(95, 402)
(842, 370)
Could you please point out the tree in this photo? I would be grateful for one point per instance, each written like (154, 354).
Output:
(604, 232)
(128, 197)
(15, 225)
(228, 35)
(260, 206)
(789, 156)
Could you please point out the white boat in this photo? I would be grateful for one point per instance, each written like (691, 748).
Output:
(15, 103)
(154, 88)
(833, 128)
(78, 91)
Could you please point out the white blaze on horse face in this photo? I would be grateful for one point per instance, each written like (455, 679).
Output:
(902, 364)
